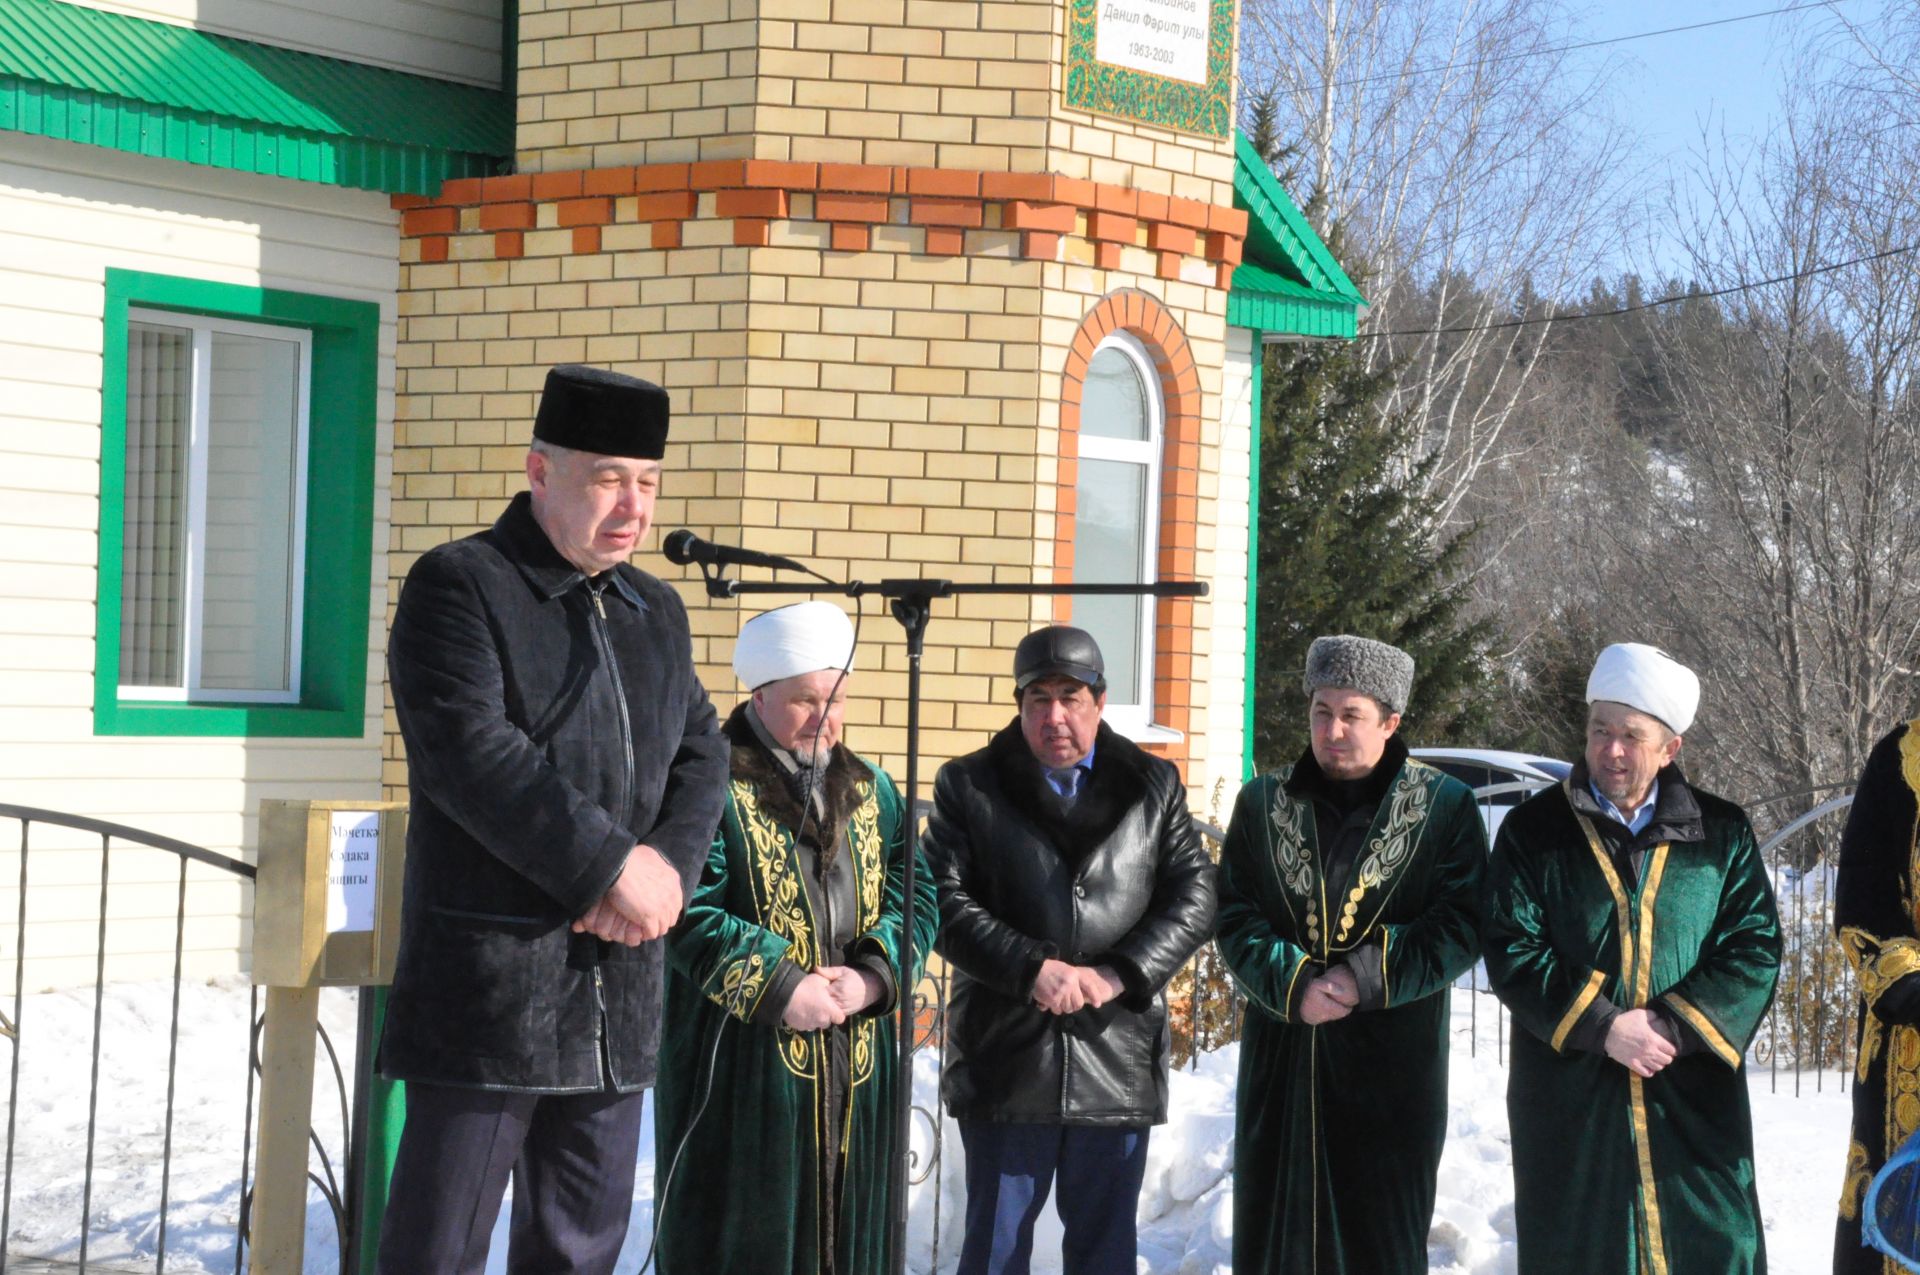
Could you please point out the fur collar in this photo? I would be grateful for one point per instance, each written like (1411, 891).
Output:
(1119, 781)
(754, 765)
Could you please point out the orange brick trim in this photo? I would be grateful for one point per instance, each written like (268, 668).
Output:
(1153, 325)
(1045, 215)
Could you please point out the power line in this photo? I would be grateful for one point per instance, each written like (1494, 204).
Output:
(1584, 44)
(1646, 305)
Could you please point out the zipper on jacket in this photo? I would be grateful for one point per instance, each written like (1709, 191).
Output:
(602, 1045)
(619, 689)
(603, 1027)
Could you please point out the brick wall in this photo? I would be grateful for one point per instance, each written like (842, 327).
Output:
(867, 363)
(915, 83)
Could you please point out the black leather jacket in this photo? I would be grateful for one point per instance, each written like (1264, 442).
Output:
(1119, 878)
(551, 722)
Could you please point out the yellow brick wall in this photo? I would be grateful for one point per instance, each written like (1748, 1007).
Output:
(476, 338)
(615, 82)
(912, 83)
(886, 413)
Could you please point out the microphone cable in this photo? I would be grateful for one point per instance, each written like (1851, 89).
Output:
(712, 1063)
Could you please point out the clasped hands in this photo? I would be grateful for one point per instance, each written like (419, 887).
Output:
(830, 995)
(641, 905)
(1330, 997)
(1063, 989)
(1635, 1041)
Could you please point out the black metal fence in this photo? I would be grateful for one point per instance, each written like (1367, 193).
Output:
(1807, 1035)
(52, 850)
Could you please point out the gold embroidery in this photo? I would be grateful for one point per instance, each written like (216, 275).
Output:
(778, 892)
(862, 1050)
(1293, 857)
(796, 1051)
(1853, 1187)
(1407, 809)
(870, 861)
(741, 986)
(1643, 978)
(1386, 979)
(869, 856)
(1880, 963)
(1903, 1084)
(1870, 1037)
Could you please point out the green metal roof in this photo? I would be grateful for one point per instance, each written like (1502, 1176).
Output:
(1289, 281)
(108, 79)
(1270, 302)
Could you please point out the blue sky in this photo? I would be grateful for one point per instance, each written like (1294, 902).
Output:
(1731, 73)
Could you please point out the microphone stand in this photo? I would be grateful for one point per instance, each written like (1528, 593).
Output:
(911, 601)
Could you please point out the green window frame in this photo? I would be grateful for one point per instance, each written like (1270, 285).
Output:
(338, 574)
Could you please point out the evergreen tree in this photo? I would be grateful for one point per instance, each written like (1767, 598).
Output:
(1346, 546)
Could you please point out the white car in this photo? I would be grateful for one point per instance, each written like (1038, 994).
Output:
(1501, 780)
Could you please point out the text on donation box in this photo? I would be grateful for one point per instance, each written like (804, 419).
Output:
(353, 858)
(1161, 37)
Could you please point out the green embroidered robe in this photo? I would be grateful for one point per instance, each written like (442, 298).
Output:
(748, 1197)
(1339, 1127)
(1875, 902)
(1615, 1175)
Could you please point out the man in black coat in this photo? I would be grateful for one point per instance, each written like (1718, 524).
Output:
(1073, 886)
(566, 774)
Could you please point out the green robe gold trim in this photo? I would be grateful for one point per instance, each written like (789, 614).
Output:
(1579, 1007)
(751, 1187)
(1722, 1047)
(1562, 927)
(1331, 1173)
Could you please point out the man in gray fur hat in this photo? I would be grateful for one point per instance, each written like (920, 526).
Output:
(1347, 889)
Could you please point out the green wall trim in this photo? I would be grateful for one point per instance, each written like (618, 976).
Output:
(342, 416)
(1247, 763)
(152, 88)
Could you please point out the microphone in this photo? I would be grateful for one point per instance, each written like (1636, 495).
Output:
(682, 547)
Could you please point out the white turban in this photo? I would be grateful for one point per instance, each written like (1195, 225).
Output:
(1648, 679)
(789, 641)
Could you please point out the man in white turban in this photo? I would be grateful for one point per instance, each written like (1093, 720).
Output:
(1628, 923)
(781, 988)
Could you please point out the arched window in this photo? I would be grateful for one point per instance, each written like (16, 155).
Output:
(1116, 534)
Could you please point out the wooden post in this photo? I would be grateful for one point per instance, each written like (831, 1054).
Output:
(279, 1217)
(326, 913)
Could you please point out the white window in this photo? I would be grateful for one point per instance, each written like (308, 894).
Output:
(1116, 535)
(214, 551)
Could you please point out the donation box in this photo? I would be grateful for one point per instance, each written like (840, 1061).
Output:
(326, 909)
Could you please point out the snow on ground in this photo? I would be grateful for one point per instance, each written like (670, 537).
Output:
(1185, 1208)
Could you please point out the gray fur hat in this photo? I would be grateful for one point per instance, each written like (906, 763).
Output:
(1364, 665)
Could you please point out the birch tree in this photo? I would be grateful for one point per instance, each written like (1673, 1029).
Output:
(1791, 562)
(1468, 157)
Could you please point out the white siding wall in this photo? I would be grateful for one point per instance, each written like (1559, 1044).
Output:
(67, 213)
(1227, 689)
(447, 39)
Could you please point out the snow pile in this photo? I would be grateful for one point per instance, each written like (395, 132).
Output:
(1186, 1205)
